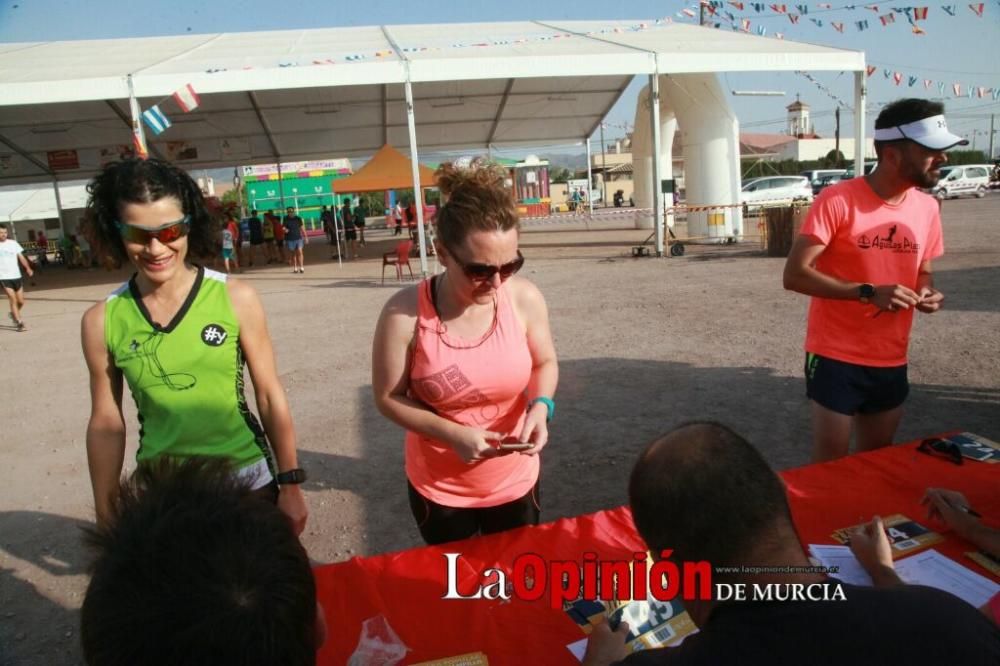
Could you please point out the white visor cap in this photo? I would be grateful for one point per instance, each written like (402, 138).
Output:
(929, 132)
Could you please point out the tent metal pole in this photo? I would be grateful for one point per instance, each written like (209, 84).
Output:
(59, 210)
(418, 194)
(138, 135)
(281, 188)
(859, 123)
(654, 101)
(336, 235)
(590, 180)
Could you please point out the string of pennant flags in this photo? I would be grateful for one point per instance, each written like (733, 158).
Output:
(912, 14)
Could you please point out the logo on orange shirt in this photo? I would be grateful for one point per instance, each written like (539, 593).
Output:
(888, 241)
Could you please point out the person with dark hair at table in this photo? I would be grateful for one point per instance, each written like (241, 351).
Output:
(195, 567)
(705, 493)
(870, 544)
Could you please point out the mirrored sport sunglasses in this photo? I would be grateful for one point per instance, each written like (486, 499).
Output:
(941, 448)
(165, 233)
(485, 272)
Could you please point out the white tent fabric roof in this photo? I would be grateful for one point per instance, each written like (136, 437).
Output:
(308, 94)
(39, 203)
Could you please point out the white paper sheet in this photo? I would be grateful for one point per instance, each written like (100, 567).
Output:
(929, 568)
(933, 569)
(849, 570)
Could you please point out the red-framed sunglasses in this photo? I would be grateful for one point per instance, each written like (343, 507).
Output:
(485, 272)
(166, 233)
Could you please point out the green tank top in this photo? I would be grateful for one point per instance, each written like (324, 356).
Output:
(187, 377)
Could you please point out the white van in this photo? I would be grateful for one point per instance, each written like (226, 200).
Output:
(962, 179)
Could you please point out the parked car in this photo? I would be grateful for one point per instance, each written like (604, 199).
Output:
(775, 189)
(815, 175)
(869, 167)
(826, 181)
(962, 179)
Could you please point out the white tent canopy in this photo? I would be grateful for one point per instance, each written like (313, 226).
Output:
(306, 94)
(39, 202)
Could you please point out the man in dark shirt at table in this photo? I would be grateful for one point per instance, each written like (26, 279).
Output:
(707, 494)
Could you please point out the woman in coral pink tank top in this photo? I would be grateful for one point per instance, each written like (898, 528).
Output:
(465, 362)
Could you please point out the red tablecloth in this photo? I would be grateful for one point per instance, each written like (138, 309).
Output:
(406, 587)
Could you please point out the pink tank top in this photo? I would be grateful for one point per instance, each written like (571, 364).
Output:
(476, 383)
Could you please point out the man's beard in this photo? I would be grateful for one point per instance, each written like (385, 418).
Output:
(925, 179)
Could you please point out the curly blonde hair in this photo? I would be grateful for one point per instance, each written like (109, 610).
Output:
(475, 199)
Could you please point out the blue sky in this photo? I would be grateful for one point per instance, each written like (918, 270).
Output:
(963, 48)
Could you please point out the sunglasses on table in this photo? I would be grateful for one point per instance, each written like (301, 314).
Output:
(941, 448)
(484, 272)
(165, 233)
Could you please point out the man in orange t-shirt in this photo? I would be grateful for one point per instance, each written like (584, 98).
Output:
(864, 256)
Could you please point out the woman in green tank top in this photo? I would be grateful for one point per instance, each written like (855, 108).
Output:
(179, 336)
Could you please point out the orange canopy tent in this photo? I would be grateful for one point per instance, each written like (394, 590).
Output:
(388, 169)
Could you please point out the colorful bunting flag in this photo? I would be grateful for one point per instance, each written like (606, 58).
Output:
(138, 137)
(156, 120)
(781, 9)
(839, 27)
(688, 12)
(927, 83)
(919, 13)
(803, 9)
(187, 98)
(949, 9)
(911, 80)
(886, 73)
(887, 18)
(862, 25)
(996, 94)
(825, 5)
(874, 8)
(761, 30)
(957, 89)
(940, 88)
(745, 23)
(981, 92)
(738, 5)
(978, 9)
(779, 35)
(819, 23)
(871, 69)
(972, 91)
(794, 18)
(897, 77)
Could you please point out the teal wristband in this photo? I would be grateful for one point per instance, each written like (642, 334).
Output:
(550, 405)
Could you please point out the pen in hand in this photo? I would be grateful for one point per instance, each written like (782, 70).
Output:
(969, 510)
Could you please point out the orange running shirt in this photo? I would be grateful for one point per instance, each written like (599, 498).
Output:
(479, 385)
(868, 240)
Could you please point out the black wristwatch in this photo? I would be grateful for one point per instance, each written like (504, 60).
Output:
(291, 477)
(866, 293)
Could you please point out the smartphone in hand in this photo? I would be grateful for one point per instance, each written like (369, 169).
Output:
(513, 444)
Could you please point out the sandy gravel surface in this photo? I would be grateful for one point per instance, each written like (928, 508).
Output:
(643, 344)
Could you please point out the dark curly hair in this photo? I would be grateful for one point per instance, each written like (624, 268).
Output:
(475, 199)
(193, 567)
(145, 181)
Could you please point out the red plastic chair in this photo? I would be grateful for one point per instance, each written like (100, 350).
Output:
(399, 257)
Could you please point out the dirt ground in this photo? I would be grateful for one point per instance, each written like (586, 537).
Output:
(643, 344)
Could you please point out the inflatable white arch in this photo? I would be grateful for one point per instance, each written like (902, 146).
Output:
(710, 139)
